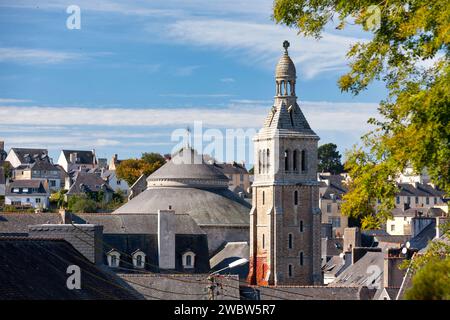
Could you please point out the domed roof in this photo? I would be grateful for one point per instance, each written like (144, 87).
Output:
(187, 168)
(285, 67)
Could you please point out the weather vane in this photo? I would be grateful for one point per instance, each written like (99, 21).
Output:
(286, 46)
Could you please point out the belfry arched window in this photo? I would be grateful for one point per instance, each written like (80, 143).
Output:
(290, 241)
(295, 197)
(286, 160)
(295, 160)
(303, 160)
(268, 160)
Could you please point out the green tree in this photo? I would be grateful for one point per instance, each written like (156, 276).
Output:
(58, 198)
(329, 159)
(130, 170)
(414, 127)
(81, 204)
(7, 169)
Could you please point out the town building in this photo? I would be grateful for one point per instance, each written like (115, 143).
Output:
(42, 170)
(27, 193)
(25, 156)
(114, 162)
(90, 184)
(285, 220)
(118, 185)
(238, 176)
(76, 160)
(332, 189)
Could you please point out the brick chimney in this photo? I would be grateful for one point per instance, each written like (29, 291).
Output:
(166, 239)
(2, 145)
(73, 157)
(352, 238)
(392, 274)
(86, 238)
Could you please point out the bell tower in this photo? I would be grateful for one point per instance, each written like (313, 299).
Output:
(285, 217)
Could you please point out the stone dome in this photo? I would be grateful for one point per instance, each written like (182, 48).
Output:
(285, 68)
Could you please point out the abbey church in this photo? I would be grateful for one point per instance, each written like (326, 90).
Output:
(285, 220)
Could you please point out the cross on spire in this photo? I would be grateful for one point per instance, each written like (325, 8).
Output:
(286, 46)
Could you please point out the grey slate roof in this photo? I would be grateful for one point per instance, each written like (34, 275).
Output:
(180, 286)
(231, 252)
(335, 186)
(421, 240)
(29, 155)
(85, 157)
(88, 182)
(357, 275)
(35, 187)
(205, 206)
(17, 223)
(136, 223)
(33, 269)
(231, 168)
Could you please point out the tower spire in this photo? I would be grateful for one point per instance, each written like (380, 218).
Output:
(286, 45)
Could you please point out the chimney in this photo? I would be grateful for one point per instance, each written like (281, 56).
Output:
(86, 238)
(352, 238)
(2, 145)
(73, 157)
(66, 217)
(359, 252)
(166, 239)
(392, 274)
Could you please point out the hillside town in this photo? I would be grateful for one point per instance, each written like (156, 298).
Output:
(191, 227)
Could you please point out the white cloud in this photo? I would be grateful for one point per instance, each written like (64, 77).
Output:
(227, 80)
(261, 43)
(8, 100)
(23, 55)
(239, 114)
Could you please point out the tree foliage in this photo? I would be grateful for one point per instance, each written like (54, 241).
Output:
(130, 170)
(81, 204)
(329, 159)
(414, 125)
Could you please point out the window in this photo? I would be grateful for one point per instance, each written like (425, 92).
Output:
(427, 200)
(16, 190)
(138, 259)
(303, 160)
(113, 258)
(435, 200)
(25, 190)
(286, 160)
(38, 200)
(52, 183)
(241, 177)
(392, 227)
(188, 260)
(398, 200)
(408, 200)
(290, 270)
(263, 197)
(295, 197)
(301, 225)
(328, 207)
(268, 160)
(417, 200)
(263, 241)
(259, 161)
(335, 221)
(119, 182)
(294, 160)
(290, 241)
(301, 258)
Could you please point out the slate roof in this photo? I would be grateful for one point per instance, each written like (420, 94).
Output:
(421, 240)
(29, 155)
(335, 186)
(17, 223)
(88, 182)
(35, 187)
(136, 223)
(206, 206)
(36, 269)
(419, 189)
(357, 275)
(231, 252)
(85, 157)
(231, 168)
(334, 266)
(307, 293)
(180, 286)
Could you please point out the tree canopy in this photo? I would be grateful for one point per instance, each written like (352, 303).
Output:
(131, 169)
(329, 159)
(413, 129)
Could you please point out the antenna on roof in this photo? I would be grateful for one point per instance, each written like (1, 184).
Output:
(188, 136)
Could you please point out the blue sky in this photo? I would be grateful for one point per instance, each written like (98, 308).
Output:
(137, 70)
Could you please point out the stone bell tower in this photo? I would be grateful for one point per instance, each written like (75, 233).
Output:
(285, 217)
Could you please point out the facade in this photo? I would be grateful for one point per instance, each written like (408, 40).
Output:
(285, 221)
(27, 193)
(331, 191)
(238, 176)
(42, 170)
(24, 156)
(76, 160)
(118, 185)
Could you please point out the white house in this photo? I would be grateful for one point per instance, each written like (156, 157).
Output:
(114, 182)
(27, 193)
(74, 160)
(24, 156)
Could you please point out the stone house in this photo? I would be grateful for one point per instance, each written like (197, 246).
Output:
(27, 193)
(42, 170)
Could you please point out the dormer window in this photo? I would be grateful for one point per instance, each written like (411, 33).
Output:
(188, 260)
(113, 258)
(138, 259)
